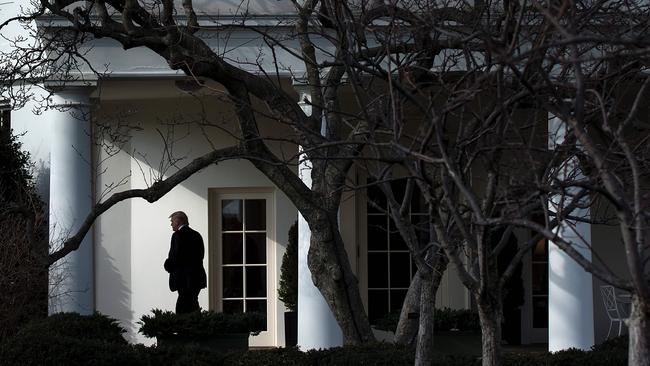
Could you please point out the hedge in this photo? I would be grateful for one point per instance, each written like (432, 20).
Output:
(71, 340)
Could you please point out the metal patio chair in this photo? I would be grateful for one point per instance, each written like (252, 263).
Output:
(612, 307)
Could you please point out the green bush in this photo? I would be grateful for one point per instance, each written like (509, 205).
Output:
(96, 326)
(69, 339)
(49, 349)
(24, 241)
(612, 352)
(618, 344)
(279, 356)
(444, 319)
(188, 355)
(372, 354)
(74, 340)
(199, 324)
(387, 322)
(461, 319)
(288, 290)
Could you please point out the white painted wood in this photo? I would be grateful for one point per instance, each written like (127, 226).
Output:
(72, 279)
(571, 308)
(317, 327)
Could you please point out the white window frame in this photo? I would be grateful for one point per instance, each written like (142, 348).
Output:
(451, 292)
(215, 196)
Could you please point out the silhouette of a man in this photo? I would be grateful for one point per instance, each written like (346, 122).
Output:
(185, 264)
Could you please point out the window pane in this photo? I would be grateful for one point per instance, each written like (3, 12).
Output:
(377, 235)
(255, 214)
(396, 240)
(417, 201)
(414, 269)
(397, 300)
(233, 282)
(231, 250)
(378, 270)
(540, 252)
(540, 312)
(540, 278)
(256, 248)
(256, 281)
(377, 304)
(400, 270)
(257, 306)
(231, 215)
(399, 189)
(376, 196)
(421, 229)
(233, 306)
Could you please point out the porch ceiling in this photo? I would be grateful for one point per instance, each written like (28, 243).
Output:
(152, 88)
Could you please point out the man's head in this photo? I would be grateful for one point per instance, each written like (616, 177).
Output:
(178, 219)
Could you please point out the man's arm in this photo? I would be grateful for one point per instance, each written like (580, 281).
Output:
(170, 262)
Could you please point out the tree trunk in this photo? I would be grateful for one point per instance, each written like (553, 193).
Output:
(639, 330)
(407, 327)
(332, 275)
(489, 311)
(424, 349)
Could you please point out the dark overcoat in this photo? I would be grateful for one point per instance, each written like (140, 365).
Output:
(185, 260)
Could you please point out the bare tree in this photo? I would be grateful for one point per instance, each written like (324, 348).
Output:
(485, 165)
(23, 246)
(452, 78)
(153, 26)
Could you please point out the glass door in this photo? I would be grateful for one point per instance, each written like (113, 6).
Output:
(242, 270)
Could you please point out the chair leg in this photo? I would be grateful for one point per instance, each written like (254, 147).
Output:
(620, 325)
(610, 328)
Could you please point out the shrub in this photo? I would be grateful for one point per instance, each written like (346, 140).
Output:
(611, 352)
(69, 339)
(387, 322)
(461, 319)
(49, 349)
(288, 291)
(280, 356)
(97, 326)
(372, 354)
(201, 324)
(63, 350)
(444, 319)
(385, 354)
(24, 241)
(618, 344)
(190, 355)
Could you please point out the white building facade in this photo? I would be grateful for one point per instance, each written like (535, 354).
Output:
(140, 121)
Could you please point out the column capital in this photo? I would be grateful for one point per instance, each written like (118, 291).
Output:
(70, 94)
(304, 94)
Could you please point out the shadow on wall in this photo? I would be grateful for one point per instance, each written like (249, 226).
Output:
(117, 290)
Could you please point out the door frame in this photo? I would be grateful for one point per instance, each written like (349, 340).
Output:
(215, 288)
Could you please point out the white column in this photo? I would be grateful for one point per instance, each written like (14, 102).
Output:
(72, 278)
(570, 293)
(317, 327)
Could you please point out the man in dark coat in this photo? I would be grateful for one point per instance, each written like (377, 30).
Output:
(185, 264)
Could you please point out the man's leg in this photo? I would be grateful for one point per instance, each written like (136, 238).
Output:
(188, 301)
(193, 300)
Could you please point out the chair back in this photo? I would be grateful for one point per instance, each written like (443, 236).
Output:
(609, 300)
